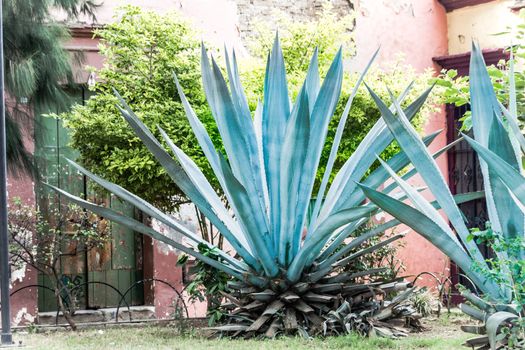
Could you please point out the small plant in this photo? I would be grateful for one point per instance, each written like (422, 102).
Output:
(207, 283)
(40, 241)
(424, 301)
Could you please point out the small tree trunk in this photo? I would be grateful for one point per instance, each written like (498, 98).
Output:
(65, 311)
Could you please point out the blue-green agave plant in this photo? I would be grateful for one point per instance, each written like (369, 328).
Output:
(499, 144)
(287, 268)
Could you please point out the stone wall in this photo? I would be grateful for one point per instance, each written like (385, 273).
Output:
(253, 11)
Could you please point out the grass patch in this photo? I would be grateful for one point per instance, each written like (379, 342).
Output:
(166, 338)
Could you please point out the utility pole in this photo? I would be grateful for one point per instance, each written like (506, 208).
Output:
(6, 336)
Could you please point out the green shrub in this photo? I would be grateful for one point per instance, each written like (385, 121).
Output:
(141, 50)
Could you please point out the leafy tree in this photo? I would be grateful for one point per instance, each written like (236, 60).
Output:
(141, 50)
(36, 66)
(40, 241)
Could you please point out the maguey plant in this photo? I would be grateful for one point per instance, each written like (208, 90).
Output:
(288, 253)
(499, 144)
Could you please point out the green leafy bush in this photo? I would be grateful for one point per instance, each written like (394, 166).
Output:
(141, 51)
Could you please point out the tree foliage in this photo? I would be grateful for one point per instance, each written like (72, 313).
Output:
(141, 50)
(36, 66)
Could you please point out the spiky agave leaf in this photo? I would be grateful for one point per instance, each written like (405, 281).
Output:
(287, 273)
(498, 143)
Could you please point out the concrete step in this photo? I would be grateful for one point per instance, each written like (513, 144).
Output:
(137, 313)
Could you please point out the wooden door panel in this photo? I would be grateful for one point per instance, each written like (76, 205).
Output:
(116, 262)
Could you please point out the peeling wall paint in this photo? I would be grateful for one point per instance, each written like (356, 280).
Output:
(23, 317)
(18, 274)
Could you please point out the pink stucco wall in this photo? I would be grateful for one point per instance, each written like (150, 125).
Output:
(418, 29)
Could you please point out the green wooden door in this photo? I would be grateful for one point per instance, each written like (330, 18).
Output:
(119, 264)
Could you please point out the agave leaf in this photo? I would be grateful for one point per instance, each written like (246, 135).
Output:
(480, 342)
(410, 142)
(413, 170)
(483, 101)
(378, 177)
(336, 240)
(476, 301)
(355, 243)
(506, 172)
(398, 162)
(474, 329)
(174, 170)
(432, 232)
(311, 88)
(338, 236)
(510, 216)
(248, 133)
(337, 141)
(516, 136)
(249, 220)
(293, 157)
(346, 276)
(275, 115)
(238, 95)
(377, 139)
(420, 202)
(199, 180)
(493, 324)
(513, 123)
(354, 168)
(325, 229)
(238, 137)
(257, 126)
(312, 80)
(209, 149)
(367, 250)
(201, 134)
(484, 104)
(320, 118)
